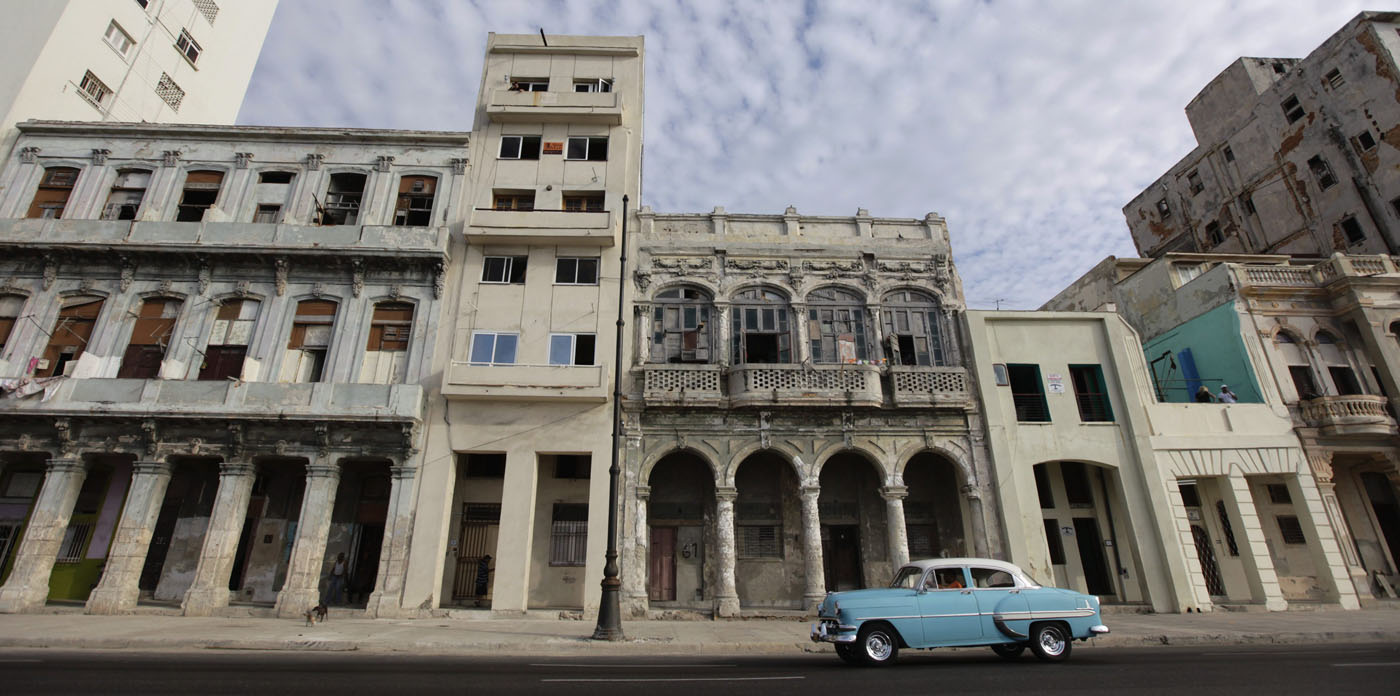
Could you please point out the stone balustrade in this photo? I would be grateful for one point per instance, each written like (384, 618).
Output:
(1351, 414)
(857, 385)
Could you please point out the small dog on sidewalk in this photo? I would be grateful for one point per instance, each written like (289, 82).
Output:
(316, 614)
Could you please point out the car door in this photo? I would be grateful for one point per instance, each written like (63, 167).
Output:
(948, 608)
(999, 597)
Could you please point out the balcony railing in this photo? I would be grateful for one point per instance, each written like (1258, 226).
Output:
(793, 384)
(913, 385)
(682, 384)
(1352, 414)
(1289, 276)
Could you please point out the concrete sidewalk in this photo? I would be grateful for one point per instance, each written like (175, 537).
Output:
(553, 636)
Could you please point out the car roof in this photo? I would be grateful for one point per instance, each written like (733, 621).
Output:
(948, 562)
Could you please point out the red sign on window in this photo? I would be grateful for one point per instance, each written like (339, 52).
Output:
(553, 148)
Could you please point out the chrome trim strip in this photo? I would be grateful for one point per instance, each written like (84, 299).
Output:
(1042, 614)
(1001, 626)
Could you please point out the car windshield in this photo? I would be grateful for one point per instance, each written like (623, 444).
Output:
(907, 577)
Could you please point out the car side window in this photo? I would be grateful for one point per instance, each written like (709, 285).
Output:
(908, 578)
(991, 578)
(950, 578)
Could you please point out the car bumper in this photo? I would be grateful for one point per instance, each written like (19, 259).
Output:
(844, 634)
(1098, 630)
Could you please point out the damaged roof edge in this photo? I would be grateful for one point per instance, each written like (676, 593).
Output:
(274, 133)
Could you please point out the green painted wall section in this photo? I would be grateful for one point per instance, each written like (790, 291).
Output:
(1218, 351)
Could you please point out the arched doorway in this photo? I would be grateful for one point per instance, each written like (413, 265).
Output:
(934, 511)
(681, 541)
(855, 546)
(769, 566)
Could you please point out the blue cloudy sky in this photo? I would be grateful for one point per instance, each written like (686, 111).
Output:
(1027, 124)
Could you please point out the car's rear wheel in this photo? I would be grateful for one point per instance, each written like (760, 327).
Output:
(847, 653)
(1009, 651)
(1050, 642)
(877, 645)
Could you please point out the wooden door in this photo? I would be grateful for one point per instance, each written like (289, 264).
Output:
(661, 578)
(841, 555)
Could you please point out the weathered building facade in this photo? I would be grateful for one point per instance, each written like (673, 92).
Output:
(799, 416)
(1318, 342)
(214, 339)
(1295, 156)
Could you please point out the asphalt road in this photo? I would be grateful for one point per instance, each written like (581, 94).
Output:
(1346, 669)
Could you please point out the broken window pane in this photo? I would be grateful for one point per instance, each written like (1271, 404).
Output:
(343, 195)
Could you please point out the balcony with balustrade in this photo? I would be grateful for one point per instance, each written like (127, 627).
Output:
(683, 385)
(922, 386)
(1354, 414)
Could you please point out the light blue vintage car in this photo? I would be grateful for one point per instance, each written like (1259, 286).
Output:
(957, 602)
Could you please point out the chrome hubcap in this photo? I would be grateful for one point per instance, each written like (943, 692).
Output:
(1051, 642)
(878, 646)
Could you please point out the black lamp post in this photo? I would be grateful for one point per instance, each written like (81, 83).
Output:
(609, 609)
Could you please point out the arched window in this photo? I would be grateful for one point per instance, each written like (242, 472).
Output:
(10, 308)
(310, 342)
(52, 196)
(1298, 369)
(911, 329)
(386, 355)
(150, 339)
(836, 326)
(228, 341)
(124, 200)
(680, 326)
(759, 321)
(76, 317)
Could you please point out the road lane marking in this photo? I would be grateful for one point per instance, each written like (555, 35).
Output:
(11, 661)
(675, 679)
(1366, 664)
(605, 666)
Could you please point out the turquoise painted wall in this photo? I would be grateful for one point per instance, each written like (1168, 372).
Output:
(1210, 343)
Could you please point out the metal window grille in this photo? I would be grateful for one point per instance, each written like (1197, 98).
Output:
(568, 543)
(169, 91)
(760, 541)
(1226, 528)
(1291, 530)
(207, 8)
(75, 540)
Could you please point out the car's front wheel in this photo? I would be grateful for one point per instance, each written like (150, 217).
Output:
(848, 653)
(1050, 642)
(1009, 651)
(877, 645)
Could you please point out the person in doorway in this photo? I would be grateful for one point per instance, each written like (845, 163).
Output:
(1203, 395)
(483, 577)
(335, 586)
(1226, 396)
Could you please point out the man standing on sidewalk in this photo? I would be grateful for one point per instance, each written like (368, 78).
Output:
(335, 587)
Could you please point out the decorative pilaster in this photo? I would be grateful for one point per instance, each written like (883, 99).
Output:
(28, 586)
(209, 590)
(804, 345)
(814, 589)
(725, 334)
(894, 524)
(387, 598)
(118, 589)
(726, 595)
(635, 574)
(301, 591)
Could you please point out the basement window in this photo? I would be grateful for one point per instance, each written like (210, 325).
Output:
(1352, 229)
(1292, 110)
(526, 147)
(1334, 78)
(590, 149)
(1322, 171)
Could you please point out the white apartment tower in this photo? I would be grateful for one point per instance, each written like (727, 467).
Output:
(163, 61)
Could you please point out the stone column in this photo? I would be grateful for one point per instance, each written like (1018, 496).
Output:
(209, 590)
(803, 350)
(28, 586)
(387, 598)
(1254, 552)
(302, 588)
(1321, 463)
(726, 596)
(118, 590)
(894, 524)
(979, 522)
(636, 575)
(1332, 568)
(813, 566)
(724, 335)
(876, 333)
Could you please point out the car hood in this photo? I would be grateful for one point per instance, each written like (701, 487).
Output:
(866, 599)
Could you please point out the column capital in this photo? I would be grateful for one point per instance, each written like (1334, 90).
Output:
(65, 465)
(892, 493)
(403, 472)
(1321, 463)
(237, 469)
(319, 469)
(726, 494)
(971, 492)
(643, 492)
(151, 467)
(811, 492)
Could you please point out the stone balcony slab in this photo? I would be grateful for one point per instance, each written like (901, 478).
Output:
(506, 106)
(1356, 414)
(470, 381)
(489, 226)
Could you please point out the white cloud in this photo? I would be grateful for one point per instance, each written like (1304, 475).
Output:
(1027, 124)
